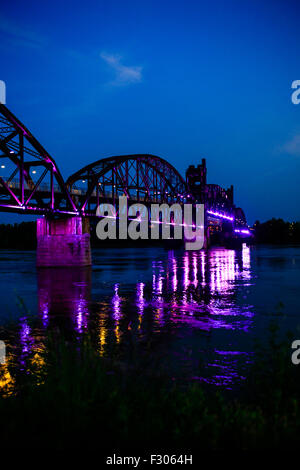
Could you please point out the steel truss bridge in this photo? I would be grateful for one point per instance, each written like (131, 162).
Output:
(33, 183)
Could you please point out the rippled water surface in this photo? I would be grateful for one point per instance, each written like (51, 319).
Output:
(196, 308)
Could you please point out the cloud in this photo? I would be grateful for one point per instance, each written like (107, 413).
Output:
(292, 147)
(21, 35)
(124, 74)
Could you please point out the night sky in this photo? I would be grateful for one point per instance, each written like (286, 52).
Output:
(182, 80)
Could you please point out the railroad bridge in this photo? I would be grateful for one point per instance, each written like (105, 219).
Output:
(31, 183)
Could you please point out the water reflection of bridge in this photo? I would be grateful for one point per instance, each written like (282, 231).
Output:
(195, 291)
(187, 284)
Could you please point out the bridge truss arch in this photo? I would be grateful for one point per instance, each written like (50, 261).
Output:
(29, 177)
(142, 178)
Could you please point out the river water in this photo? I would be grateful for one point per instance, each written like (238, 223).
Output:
(201, 311)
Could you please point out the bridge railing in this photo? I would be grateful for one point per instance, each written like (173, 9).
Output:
(14, 183)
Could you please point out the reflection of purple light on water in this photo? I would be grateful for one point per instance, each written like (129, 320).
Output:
(202, 264)
(219, 272)
(186, 273)
(246, 262)
(116, 303)
(140, 297)
(160, 284)
(213, 308)
(157, 280)
(44, 309)
(231, 353)
(140, 291)
(81, 315)
(157, 286)
(195, 269)
(172, 266)
(185, 280)
(45, 314)
(174, 279)
(222, 269)
(225, 370)
(153, 282)
(172, 272)
(25, 338)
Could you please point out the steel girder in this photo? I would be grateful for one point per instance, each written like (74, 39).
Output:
(33, 182)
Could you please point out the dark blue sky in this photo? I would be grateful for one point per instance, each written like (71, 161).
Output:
(183, 80)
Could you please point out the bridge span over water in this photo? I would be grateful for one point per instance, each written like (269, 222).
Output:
(31, 183)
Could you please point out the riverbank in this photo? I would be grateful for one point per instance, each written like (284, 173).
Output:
(70, 396)
(274, 232)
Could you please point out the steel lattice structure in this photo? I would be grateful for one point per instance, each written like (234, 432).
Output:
(33, 182)
(142, 178)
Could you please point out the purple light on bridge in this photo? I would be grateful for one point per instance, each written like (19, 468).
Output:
(223, 216)
(246, 232)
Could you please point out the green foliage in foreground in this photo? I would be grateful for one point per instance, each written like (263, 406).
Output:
(83, 400)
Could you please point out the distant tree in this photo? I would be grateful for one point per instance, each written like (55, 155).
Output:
(277, 231)
(19, 236)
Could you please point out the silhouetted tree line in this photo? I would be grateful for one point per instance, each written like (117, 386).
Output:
(18, 236)
(277, 231)
(23, 236)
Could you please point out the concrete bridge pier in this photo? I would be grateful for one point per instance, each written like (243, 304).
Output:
(63, 242)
